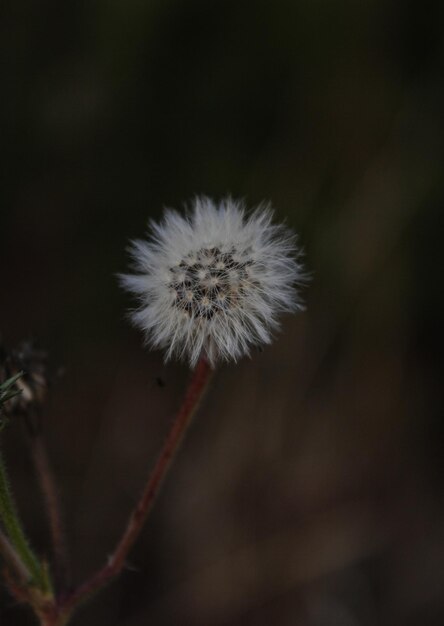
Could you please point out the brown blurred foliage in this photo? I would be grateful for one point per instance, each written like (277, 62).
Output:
(309, 490)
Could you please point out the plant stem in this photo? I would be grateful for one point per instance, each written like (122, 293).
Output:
(49, 492)
(16, 534)
(197, 386)
(13, 560)
(53, 619)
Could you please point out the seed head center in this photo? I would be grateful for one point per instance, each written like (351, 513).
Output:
(210, 282)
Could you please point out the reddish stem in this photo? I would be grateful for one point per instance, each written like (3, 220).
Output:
(194, 393)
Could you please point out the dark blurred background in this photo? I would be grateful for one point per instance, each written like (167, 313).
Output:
(309, 491)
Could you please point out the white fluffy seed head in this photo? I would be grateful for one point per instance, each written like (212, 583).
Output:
(213, 281)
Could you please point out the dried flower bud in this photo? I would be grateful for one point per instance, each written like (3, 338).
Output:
(29, 390)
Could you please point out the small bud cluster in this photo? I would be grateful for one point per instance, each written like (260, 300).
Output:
(30, 388)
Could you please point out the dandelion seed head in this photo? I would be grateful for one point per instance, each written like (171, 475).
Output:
(213, 281)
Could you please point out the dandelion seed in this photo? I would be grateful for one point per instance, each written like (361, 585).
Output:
(214, 281)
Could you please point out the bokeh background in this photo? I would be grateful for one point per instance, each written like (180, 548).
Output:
(310, 489)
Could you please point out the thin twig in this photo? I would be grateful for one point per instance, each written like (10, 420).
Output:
(194, 394)
(49, 492)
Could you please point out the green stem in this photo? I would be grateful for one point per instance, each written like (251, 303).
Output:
(15, 532)
(13, 560)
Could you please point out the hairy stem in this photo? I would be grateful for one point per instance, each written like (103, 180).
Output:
(197, 386)
(15, 532)
(13, 560)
